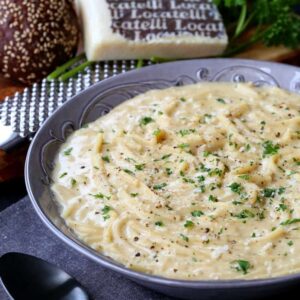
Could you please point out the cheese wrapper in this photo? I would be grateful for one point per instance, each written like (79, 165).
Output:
(141, 29)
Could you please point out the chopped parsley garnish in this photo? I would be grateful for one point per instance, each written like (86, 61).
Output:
(203, 168)
(282, 207)
(212, 198)
(281, 190)
(63, 175)
(206, 153)
(215, 172)
(106, 217)
(156, 132)
(242, 266)
(230, 140)
(140, 167)
(166, 156)
(292, 173)
(189, 224)
(183, 146)
(236, 188)
(262, 123)
(207, 117)
(146, 120)
(244, 176)
(269, 193)
(290, 243)
(221, 100)
(73, 182)
(188, 180)
(182, 99)
(184, 132)
(106, 158)
(159, 186)
(201, 178)
(197, 213)
(202, 188)
(100, 196)
(169, 171)
(68, 151)
(236, 202)
(270, 148)
(247, 147)
(128, 172)
(184, 237)
(297, 162)
(244, 214)
(290, 221)
(129, 159)
(134, 194)
(159, 223)
(261, 215)
(105, 210)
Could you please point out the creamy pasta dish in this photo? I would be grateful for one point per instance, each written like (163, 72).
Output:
(194, 182)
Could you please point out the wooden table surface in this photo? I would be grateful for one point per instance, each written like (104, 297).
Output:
(11, 165)
(8, 88)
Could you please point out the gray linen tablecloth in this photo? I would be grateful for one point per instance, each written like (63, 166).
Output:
(21, 230)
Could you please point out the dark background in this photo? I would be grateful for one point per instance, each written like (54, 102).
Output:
(11, 192)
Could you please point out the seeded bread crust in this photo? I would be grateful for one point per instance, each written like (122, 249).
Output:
(36, 37)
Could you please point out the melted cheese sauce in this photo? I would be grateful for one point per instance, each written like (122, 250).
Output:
(194, 182)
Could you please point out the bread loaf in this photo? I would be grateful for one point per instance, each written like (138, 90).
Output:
(36, 37)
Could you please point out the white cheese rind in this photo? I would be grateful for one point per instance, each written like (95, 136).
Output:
(101, 42)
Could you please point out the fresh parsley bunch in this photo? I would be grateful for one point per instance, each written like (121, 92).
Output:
(275, 22)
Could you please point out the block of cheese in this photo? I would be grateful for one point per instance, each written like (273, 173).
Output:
(117, 29)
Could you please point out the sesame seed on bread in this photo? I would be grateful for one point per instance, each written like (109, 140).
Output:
(36, 37)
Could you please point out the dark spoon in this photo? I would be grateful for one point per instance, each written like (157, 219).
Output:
(28, 277)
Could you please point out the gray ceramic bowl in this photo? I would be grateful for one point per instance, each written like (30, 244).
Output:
(97, 101)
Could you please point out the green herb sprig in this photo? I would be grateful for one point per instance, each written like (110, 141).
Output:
(275, 21)
(242, 266)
